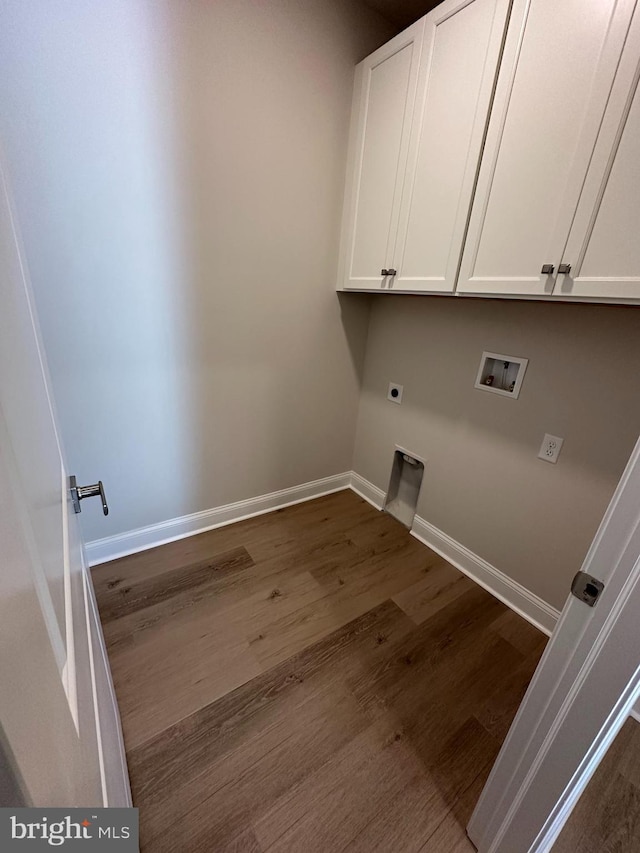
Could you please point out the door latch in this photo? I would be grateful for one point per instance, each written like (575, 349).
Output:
(586, 588)
(79, 493)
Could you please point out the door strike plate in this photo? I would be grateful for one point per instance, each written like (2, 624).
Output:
(586, 588)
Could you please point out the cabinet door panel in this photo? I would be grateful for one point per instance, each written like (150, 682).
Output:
(385, 91)
(462, 43)
(560, 61)
(604, 244)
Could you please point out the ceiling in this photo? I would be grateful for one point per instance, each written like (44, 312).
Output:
(401, 13)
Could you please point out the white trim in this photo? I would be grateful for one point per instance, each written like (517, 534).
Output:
(507, 359)
(531, 607)
(364, 489)
(112, 547)
(635, 713)
(120, 786)
(94, 691)
(513, 594)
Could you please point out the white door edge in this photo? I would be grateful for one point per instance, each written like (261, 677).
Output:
(94, 690)
(121, 784)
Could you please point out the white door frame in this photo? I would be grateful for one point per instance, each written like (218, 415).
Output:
(580, 696)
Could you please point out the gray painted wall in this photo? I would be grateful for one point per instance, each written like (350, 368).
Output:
(178, 170)
(483, 484)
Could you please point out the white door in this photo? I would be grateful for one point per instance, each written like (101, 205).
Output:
(603, 249)
(384, 96)
(580, 695)
(559, 64)
(55, 719)
(462, 42)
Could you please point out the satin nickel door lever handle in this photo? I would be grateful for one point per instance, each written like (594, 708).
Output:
(79, 493)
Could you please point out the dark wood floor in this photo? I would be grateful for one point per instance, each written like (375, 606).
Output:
(314, 679)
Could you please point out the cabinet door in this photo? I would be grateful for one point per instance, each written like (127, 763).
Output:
(460, 53)
(603, 248)
(559, 63)
(383, 107)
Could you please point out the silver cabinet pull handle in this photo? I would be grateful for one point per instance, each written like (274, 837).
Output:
(564, 269)
(384, 272)
(391, 272)
(547, 269)
(79, 493)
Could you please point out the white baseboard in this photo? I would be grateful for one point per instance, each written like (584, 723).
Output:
(533, 608)
(513, 594)
(372, 494)
(123, 544)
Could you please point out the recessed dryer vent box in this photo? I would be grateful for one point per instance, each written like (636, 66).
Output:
(404, 486)
(501, 374)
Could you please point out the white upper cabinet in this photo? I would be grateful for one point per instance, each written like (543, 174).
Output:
(384, 98)
(420, 112)
(499, 165)
(557, 72)
(458, 65)
(603, 249)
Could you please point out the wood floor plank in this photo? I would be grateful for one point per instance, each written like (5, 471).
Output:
(440, 585)
(372, 549)
(497, 711)
(220, 593)
(615, 824)
(451, 835)
(158, 686)
(236, 617)
(452, 643)
(120, 599)
(515, 630)
(187, 747)
(467, 752)
(364, 583)
(627, 752)
(246, 842)
(243, 783)
(328, 809)
(405, 822)
(286, 702)
(264, 536)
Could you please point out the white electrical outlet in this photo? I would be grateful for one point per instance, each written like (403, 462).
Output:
(550, 449)
(395, 393)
